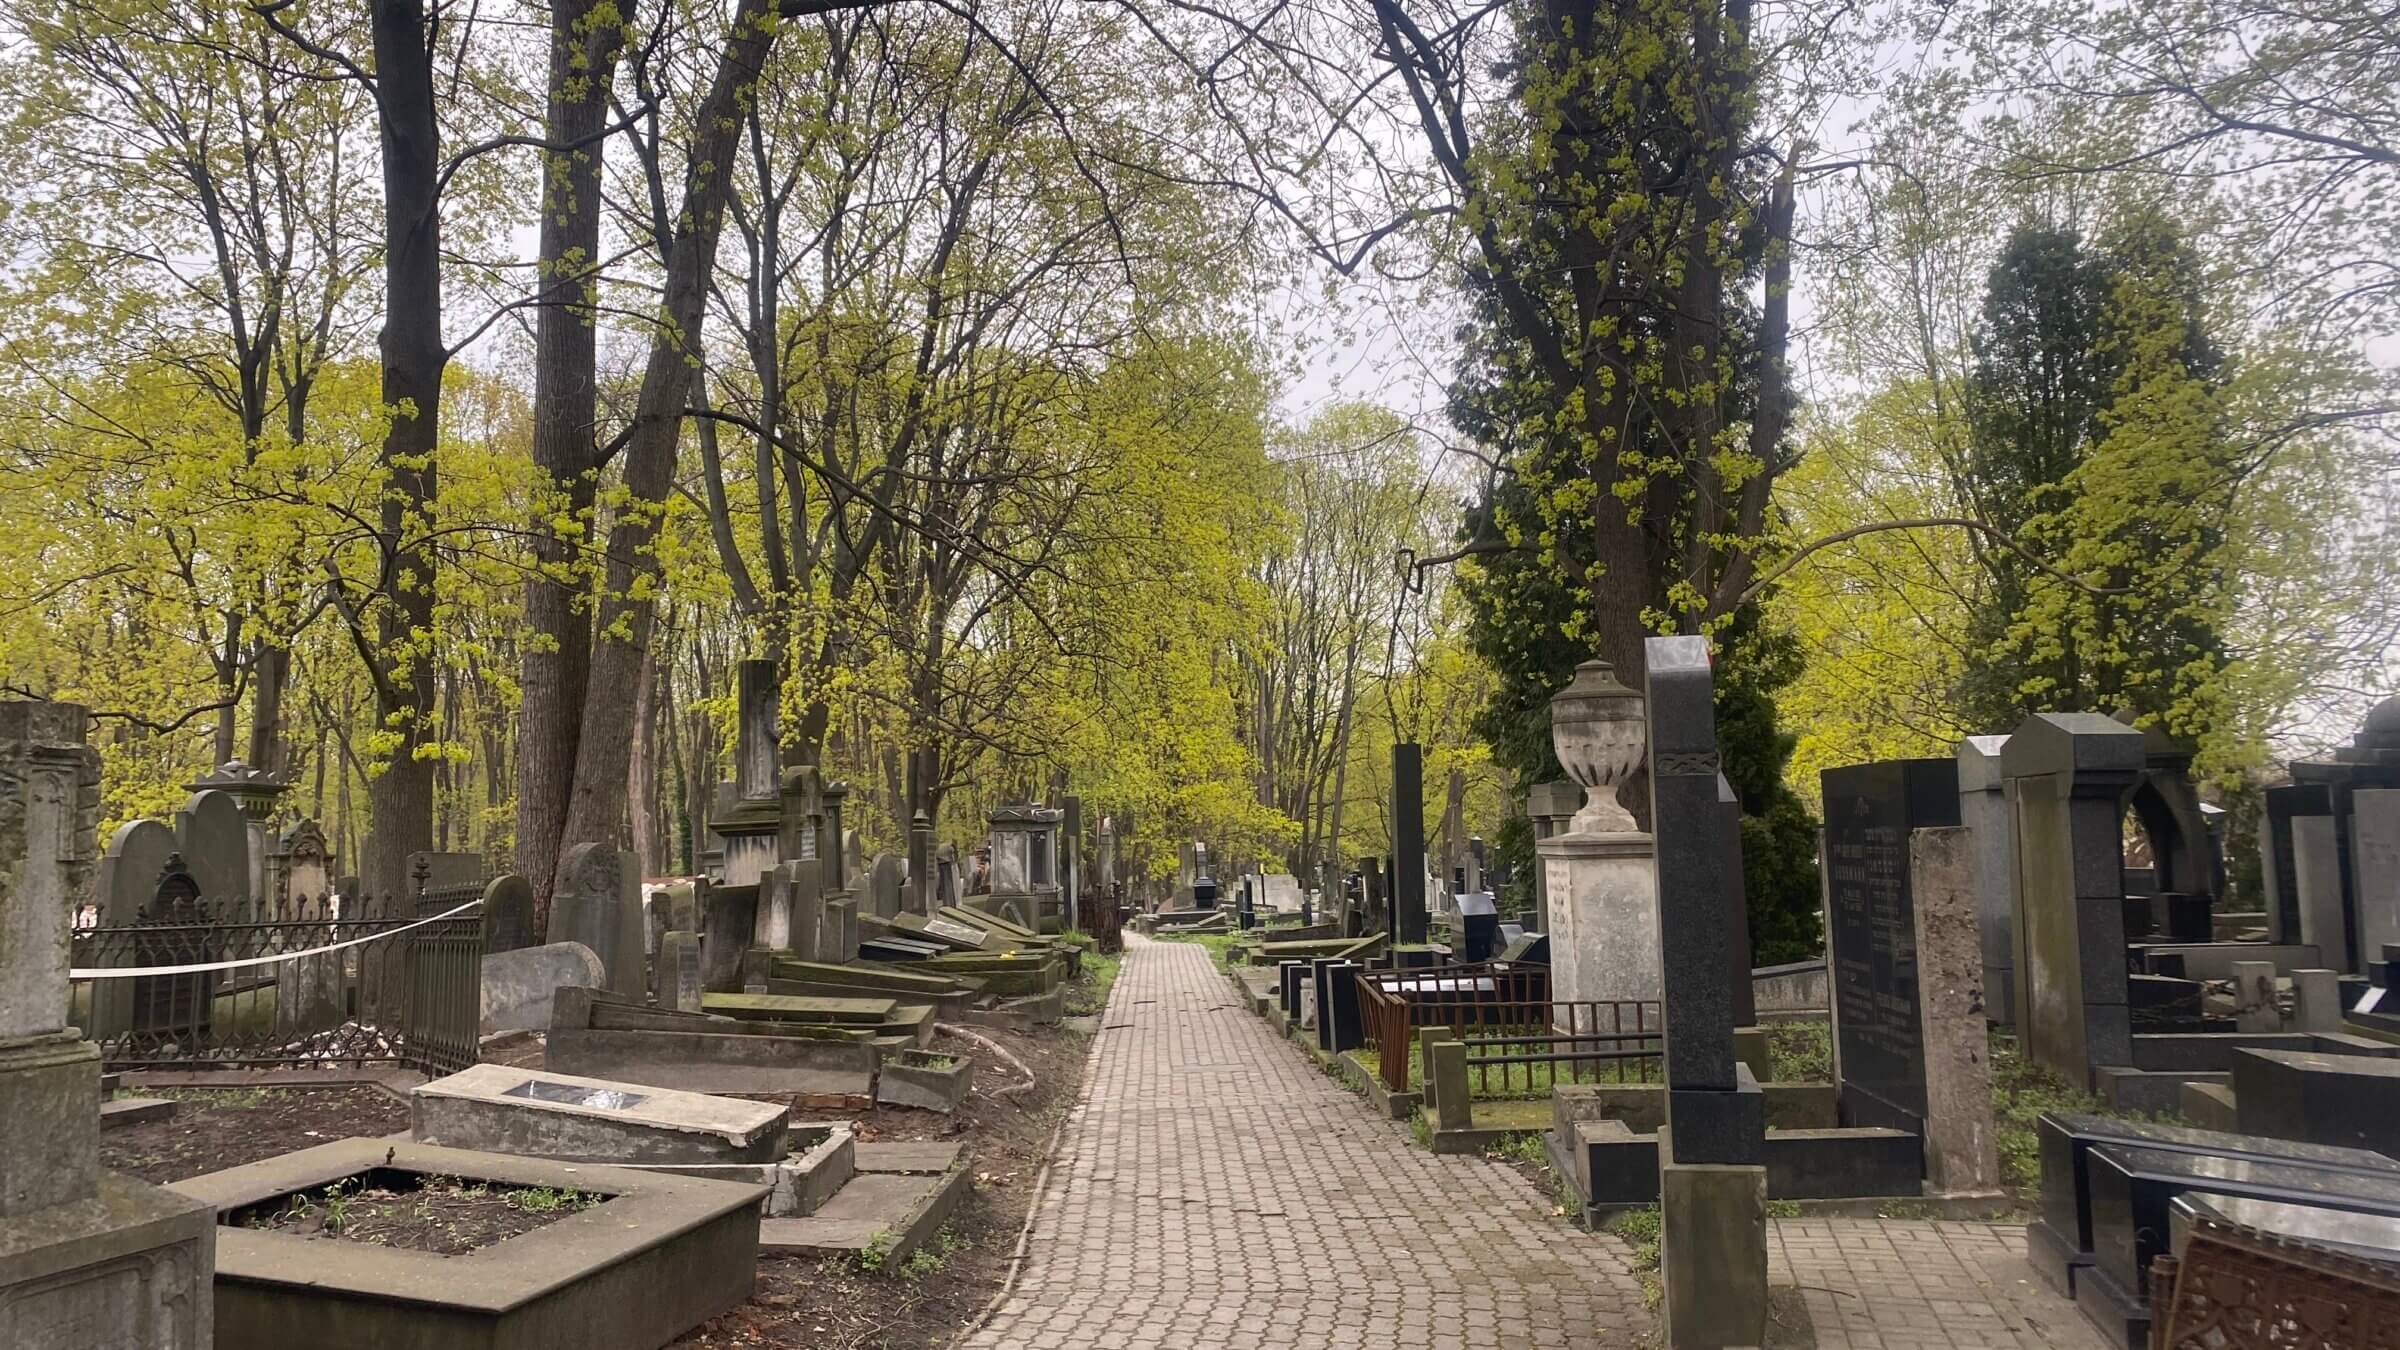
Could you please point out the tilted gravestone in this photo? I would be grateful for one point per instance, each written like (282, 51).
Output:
(1871, 812)
(679, 982)
(599, 904)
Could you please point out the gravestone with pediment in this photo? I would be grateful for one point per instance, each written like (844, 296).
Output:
(599, 904)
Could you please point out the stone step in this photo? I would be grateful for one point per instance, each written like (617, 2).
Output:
(134, 1111)
(897, 1199)
(795, 1008)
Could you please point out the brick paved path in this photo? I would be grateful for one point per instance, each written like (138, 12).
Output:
(1213, 1191)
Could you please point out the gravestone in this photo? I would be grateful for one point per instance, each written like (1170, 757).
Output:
(1408, 844)
(1871, 813)
(2317, 878)
(2278, 866)
(2375, 866)
(883, 885)
(2067, 775)
(307, 872)
(921, 898)
(728, 916)
(520, 986)
(1983, 810)
(1961, 1139)
(87, 1258)
(1712, 1180)
(507, 914)
(599, 904)
(214, 837)
(679, 982)
(2342, 1101)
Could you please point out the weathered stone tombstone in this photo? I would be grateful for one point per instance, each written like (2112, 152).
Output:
(679, 981)
(213, 836)
(307, 870)
(599, 904)
(920, 894)
(2067, 775)
(1872, 812)
(1596, 865)
(519, 987)
(1983, 810)
(1712, 1178)
(507, 914)
(87, 1258)
(747, 812)
(884, 881)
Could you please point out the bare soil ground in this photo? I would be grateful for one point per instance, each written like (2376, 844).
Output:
(212, 1129)
(834, 1303)
(442, 1215)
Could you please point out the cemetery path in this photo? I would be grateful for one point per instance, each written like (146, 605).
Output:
(1213, 1191)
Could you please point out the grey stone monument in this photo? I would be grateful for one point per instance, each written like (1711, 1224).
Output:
(1712, 1176)
(679, 978)
(2067, 775)
(1596, 865)
(87, 1258)
(748, 812)
(883, 885)
(920, 864)
(599, 904)
(1983, 811)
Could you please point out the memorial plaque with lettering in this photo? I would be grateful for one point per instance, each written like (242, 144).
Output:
(1870, 809)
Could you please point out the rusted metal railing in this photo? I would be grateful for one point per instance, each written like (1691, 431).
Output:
(1514, 1031)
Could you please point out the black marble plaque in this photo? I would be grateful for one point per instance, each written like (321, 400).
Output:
(2132, 1188)
(1870, 809)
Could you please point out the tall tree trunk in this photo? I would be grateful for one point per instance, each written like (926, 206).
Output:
(400, 799)
(641, 767)
(585, 39)
(626, 605)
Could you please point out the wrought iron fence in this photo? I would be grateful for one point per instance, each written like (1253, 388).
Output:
(411, 998)
(1519, 1040)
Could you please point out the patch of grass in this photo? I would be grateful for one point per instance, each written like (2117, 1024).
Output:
(1800, 1052)
(1906, 1209)
(1783, 1209)
(878, 1252)
(935, 1254)
(1520, 1148)
(1640, 1230)
(1421, 1126)
(1218, 944)
(1089, 992)
(2021, 1091)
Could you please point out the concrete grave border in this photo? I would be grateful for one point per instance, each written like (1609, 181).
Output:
(664, 1254)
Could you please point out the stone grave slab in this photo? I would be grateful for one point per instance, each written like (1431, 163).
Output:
(500, 1108)
(2345, 1101)
(900, 1197)
(790, 1008)
(2370, 1237)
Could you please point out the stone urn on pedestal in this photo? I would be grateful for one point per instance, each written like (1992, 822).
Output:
(1598, 873)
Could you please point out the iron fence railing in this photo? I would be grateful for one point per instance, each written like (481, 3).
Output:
(410, 998)
(1518, 1038)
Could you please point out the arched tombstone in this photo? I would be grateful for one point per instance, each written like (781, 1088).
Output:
(213, 835)
(130, 870)
(174, 931)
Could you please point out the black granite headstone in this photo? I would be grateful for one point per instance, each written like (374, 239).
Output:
(1408, 843)
(2342, 1101)
(1870, 812)
(2282, 863)
(2188, 917)
(1715, 1111)
(1338, 1027)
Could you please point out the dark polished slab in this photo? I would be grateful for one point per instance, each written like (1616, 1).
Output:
(2342, 1100)
(2367, 1237)
(2132, 1187)
(2064, 1242)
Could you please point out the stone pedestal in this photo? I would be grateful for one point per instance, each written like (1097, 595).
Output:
(87, 1258)
(1983, 810)
(1712, 1251)
(1603, 916)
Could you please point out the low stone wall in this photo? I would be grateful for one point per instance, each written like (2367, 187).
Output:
(1796, 989)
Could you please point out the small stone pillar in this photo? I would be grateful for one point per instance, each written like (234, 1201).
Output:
(86, 1257)
(920, 864)
(1983, 811)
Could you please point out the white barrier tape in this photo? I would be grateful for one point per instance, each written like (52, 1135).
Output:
(128, 972)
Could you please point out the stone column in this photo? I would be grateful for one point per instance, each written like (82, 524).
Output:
(1712, 1178)
(1983, 811)
(756, 738)
(1408, 843)
(86, 1257)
